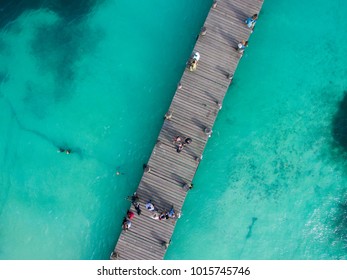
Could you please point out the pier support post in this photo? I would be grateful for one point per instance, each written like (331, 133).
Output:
(203, 31)
(114, 255)
(230, 76)
(168, 115)
(146, 168)
(208, 131)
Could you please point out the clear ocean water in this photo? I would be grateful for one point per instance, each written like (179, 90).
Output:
(97, 78)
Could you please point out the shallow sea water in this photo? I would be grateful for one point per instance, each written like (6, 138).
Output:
(99, 79)
(99, 84)
(277, 189)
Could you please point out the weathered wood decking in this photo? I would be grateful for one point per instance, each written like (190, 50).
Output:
(194, 108)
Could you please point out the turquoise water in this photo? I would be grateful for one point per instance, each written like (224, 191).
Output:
(277, 189)
(99, 84)
(99, 80)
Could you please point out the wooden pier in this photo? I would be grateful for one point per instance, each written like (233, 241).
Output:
(194, 109)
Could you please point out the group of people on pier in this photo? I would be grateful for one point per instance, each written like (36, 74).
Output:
(135, 201)
(161, 215)
(241, 46)
(157, 215)
(181, 143)
(250, 22)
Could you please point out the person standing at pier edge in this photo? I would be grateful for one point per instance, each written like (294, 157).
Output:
(251, 21)
(130, 215)
(196, 56)
(241, 46)
(172, 213)
(134, 198)
(194, 61)
(188, 186)
(126, 224)
(135, 202)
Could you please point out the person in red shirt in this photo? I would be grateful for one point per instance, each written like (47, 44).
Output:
(130, 215)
